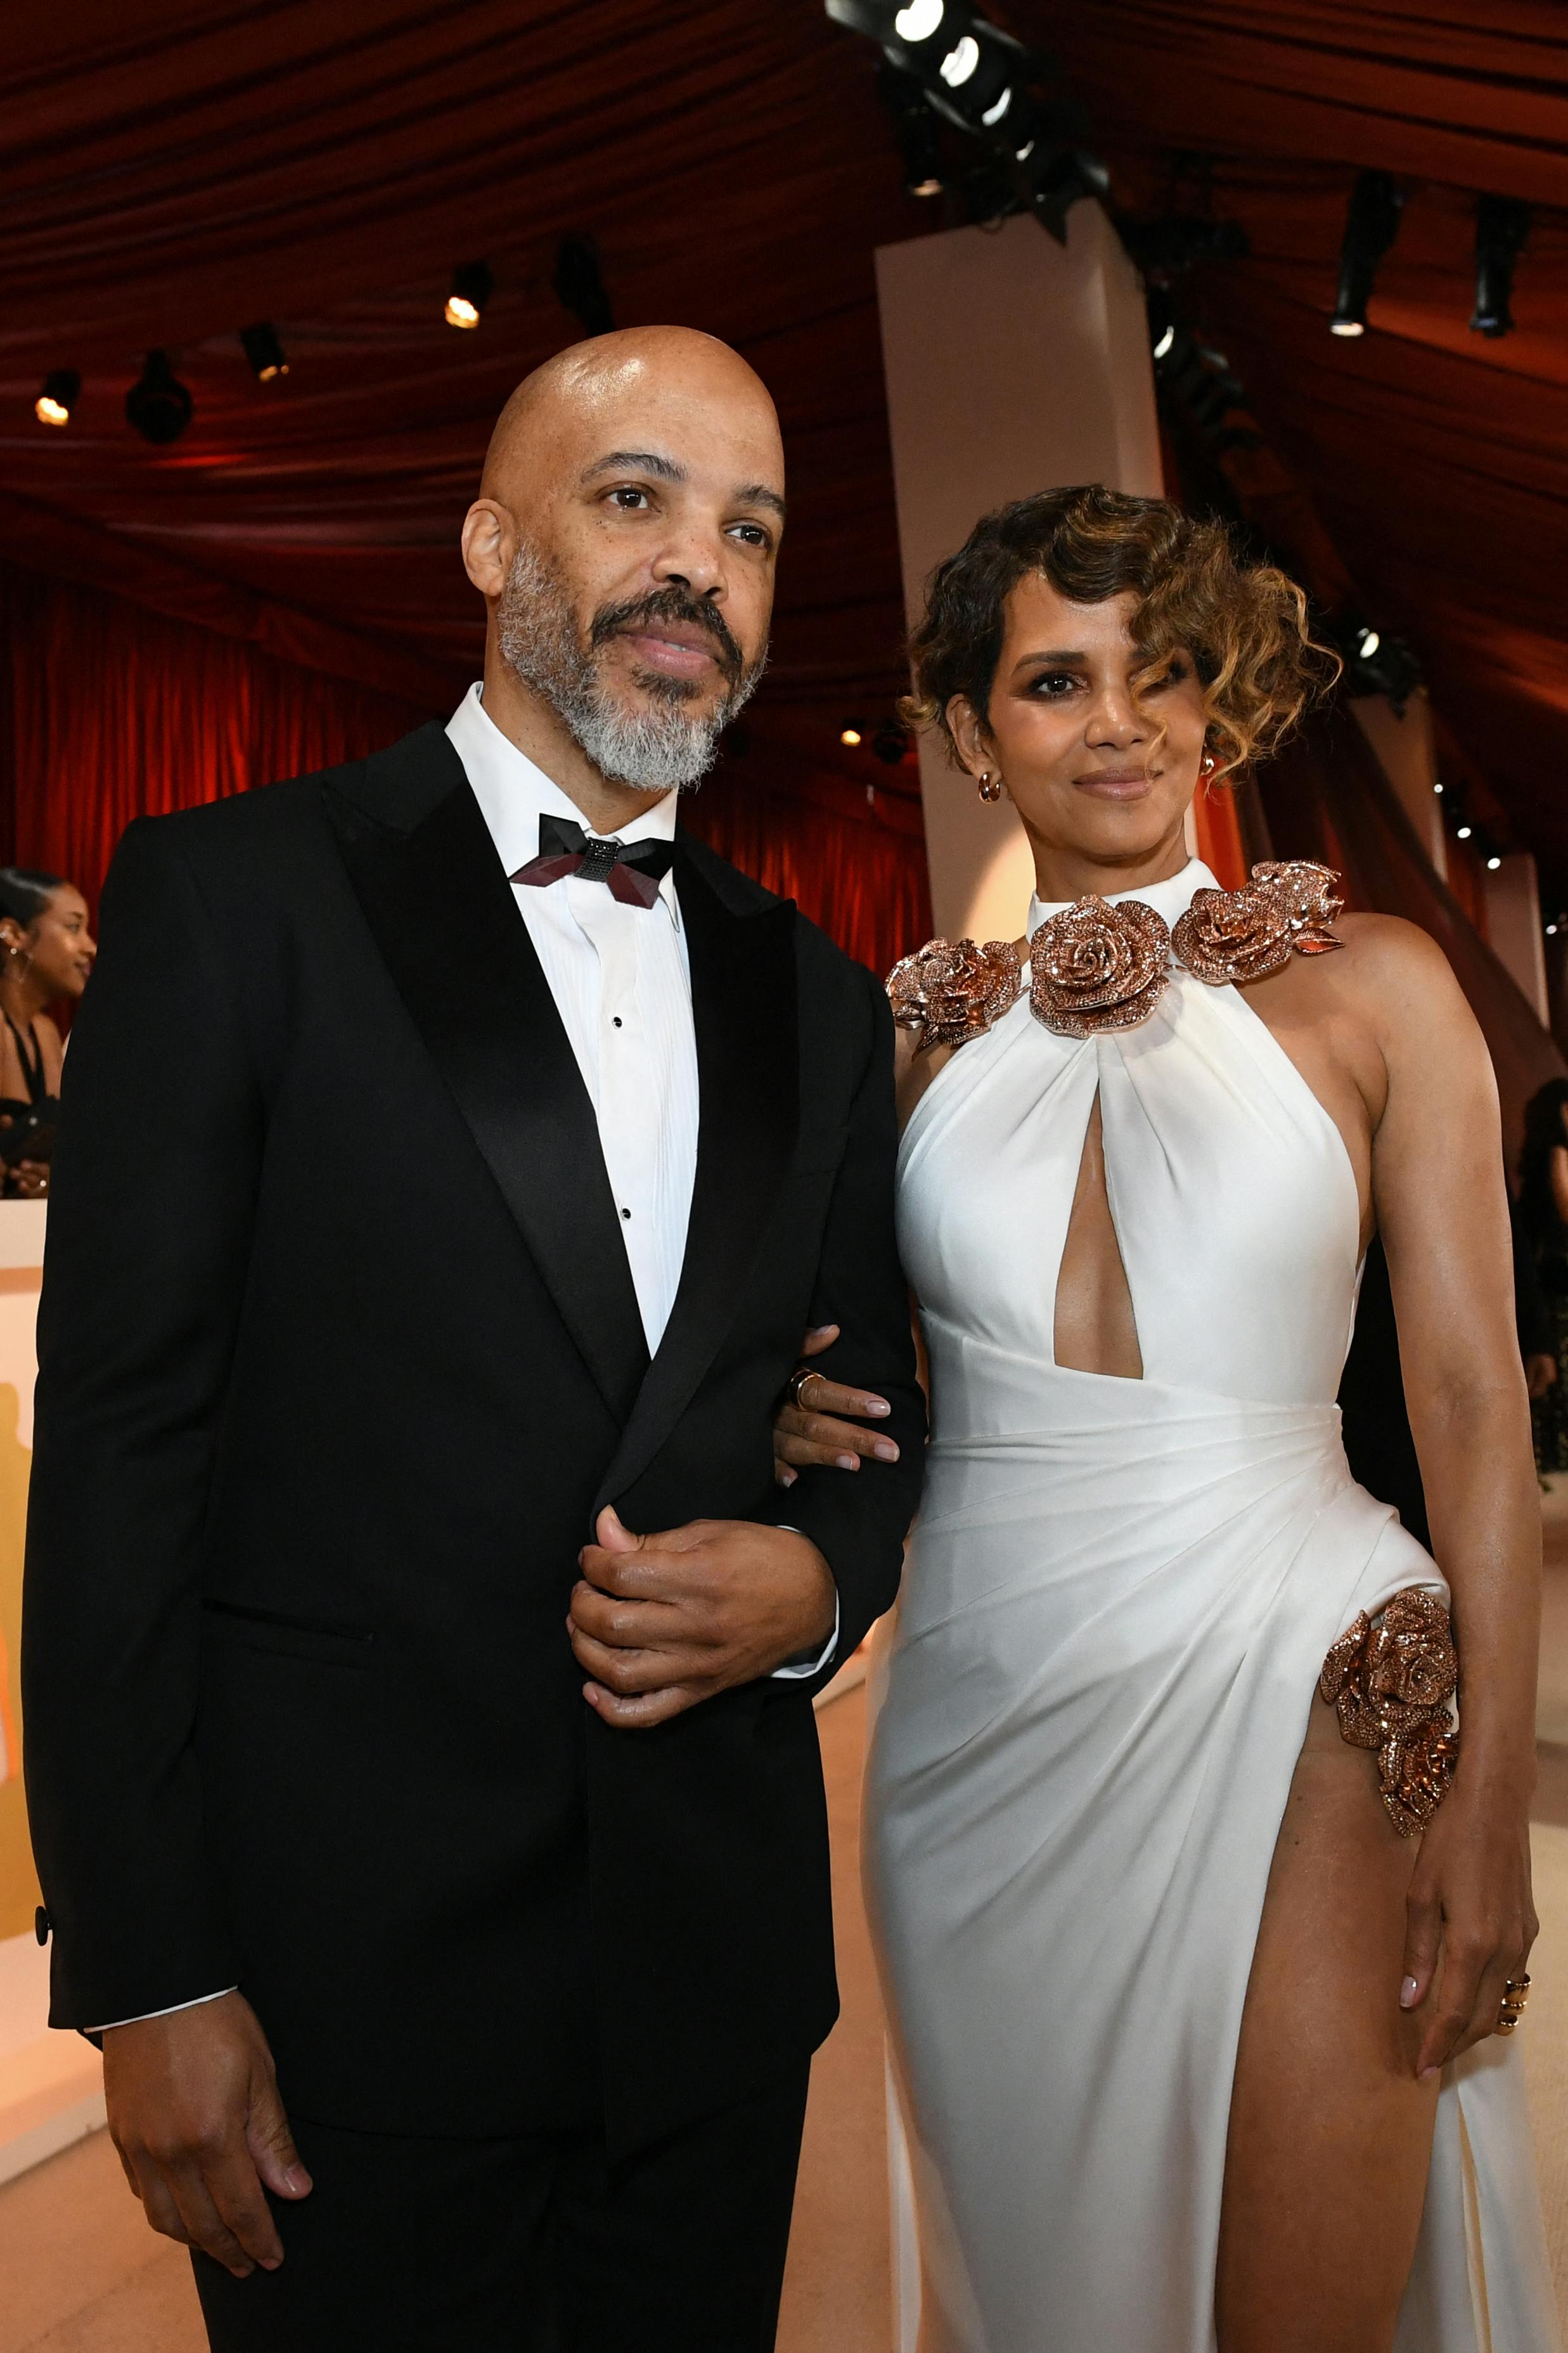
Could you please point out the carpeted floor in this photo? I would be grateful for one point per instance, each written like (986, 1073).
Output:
(81, 2274)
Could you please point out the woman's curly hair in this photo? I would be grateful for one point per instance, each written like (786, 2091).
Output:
(1244, 626)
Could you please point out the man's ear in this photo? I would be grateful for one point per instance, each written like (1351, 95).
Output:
(488, 539)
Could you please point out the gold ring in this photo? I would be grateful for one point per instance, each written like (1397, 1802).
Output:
(795, 1384)
(1516, 1993)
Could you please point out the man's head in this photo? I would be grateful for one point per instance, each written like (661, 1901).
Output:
(624, 539)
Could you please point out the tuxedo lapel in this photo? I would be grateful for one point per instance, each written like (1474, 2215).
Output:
(748, 1069)
(441, 910)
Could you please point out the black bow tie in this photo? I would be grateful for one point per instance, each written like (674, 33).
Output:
(633, 871)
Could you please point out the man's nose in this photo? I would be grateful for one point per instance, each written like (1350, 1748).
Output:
(695, 562)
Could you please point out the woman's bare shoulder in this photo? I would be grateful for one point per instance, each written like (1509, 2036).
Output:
(1396, 975)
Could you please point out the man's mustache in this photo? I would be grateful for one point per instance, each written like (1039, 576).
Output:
(672, 605)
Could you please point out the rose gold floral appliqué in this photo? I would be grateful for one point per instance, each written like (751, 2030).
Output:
(951, 990)
(1286, 909)
(1099, 965)
(1390, 1682)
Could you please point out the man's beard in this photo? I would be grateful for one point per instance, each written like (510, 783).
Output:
(661, 747)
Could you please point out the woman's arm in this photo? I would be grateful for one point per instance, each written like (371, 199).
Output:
(1442, 1209)
(1559, 1179)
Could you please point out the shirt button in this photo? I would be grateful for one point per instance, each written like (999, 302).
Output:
(627, 1213)
(616, 1020)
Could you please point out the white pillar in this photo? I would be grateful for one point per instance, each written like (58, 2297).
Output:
(1013, 364)
(1513, 925)
(1409, 758)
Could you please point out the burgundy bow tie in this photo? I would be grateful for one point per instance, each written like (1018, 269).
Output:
(632, 871)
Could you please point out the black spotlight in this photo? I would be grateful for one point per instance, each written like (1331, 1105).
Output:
(579, 287)
(62, 390)
(472, 286)
(158, 404)
(1371, 227)
(1502, 224)
(1375, 662)
(264, 352)
(915, 127)
(890, 744)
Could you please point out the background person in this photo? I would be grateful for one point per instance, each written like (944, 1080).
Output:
(48, 955)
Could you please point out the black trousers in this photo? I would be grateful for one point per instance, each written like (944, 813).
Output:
(536, 2245)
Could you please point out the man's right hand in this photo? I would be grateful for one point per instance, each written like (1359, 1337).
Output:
(195, 2114)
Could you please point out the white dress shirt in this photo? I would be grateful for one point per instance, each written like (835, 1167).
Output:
(622, 984)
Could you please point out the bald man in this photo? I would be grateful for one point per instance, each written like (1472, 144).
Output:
(418, 1676)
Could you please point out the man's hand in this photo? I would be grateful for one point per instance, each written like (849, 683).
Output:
(660, 1623)
(195, 2114)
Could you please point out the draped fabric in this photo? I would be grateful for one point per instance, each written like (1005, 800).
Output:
(110, 711)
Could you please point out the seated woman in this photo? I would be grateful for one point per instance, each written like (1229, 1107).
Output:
(48, 954)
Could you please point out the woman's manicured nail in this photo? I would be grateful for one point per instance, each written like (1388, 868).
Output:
(847, 1461)
(878, 1406)
(1407, 1993)
(885, 1451)
(1430, 2075)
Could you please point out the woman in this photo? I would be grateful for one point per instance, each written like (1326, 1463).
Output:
(1193, 1997)
(1543, 1214)
(48, 954)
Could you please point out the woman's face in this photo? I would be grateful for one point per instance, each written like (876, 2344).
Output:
(1098, 777)
(59, 944)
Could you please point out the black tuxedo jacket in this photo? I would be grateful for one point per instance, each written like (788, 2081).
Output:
(339, 1357)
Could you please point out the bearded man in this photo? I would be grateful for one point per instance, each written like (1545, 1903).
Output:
(418, 1677)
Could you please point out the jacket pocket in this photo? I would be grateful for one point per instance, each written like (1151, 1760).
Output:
(323, 1640)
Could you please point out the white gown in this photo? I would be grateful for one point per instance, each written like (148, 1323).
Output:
(1118, 1603)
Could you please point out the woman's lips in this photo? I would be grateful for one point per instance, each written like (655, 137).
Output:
(1115, 784)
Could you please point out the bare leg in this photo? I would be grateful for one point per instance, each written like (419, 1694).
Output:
(1330, 2134)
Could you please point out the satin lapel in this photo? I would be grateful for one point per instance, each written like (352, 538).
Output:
(444, 918)
(748, 1073)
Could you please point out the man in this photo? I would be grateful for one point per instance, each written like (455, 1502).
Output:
(418, 1681)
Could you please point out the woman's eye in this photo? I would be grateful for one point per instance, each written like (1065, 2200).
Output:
(1053, 684)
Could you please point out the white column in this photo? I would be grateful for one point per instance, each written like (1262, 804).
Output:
(1013, 364)
(1409, 758)
(1513, 925)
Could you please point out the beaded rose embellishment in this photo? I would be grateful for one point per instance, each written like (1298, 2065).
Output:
(1390, 1682)
(1286, 909)
(951, 990)
(1097, 967)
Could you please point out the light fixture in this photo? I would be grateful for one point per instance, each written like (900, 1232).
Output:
(1493, 863)
(1502, 224)
(889, 742)
(264, 352)
(1436, 788)
(850, 735)
(992, 114)
(472, 285)
(62, 390)
(1552, 930)
(1463, 832)
(915, 128)
(958, 66)
(158, 404)
(1372, 225)
(1166, 338)
(1367, 644)
(919, 21)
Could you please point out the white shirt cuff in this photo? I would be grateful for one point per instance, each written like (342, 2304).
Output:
(175, 2007)
(800, 1670)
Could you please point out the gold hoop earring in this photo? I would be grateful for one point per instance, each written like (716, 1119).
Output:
(990, 786)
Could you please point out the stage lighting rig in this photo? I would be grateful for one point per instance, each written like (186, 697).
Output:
(158, 404)
(986, 84)
(1502, 224)
(579, 286)
(915, 127)
(1375, 662)
(62, 390)
(264, 352)
(1372, 225)
(473, 283)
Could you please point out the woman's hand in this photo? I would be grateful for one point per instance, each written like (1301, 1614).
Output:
(809, 1433)
(1471, 1921)
(30, 1179)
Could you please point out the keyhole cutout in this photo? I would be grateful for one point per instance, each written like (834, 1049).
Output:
(1095, 1329)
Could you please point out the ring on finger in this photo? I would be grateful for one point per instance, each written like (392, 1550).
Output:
(1516, 1993)
(794, 1387)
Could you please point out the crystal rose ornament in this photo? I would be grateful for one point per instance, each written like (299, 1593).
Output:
(1097, 967)
(1286, 909)
(951, 990)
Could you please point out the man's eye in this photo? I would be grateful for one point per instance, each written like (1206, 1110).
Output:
(753, 534)
(629, 498)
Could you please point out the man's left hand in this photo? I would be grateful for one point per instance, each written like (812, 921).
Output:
(660, 1623)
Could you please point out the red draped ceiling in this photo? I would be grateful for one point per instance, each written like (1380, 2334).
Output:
(171, 173)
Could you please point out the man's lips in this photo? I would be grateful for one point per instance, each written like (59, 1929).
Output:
(678, 648)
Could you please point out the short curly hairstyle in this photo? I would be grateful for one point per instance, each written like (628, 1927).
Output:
(1244, 624)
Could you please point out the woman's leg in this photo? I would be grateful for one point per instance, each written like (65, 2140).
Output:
(1330, 2134)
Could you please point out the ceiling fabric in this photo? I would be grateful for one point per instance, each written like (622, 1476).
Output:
(326, 165)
